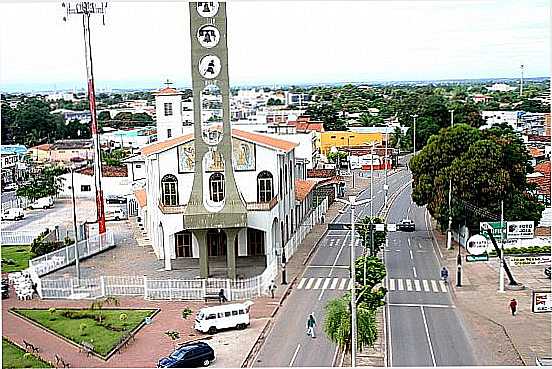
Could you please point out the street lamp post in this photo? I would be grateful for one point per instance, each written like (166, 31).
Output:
(449, 230)
(414, 116)
(385, 186)
(459, 262)
(284, 281)
(352, 203)
(371, 202)
(77, 266)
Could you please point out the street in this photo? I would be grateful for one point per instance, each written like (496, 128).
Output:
(422, 324)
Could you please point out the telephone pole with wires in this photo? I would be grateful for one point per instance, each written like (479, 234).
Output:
(86, 9)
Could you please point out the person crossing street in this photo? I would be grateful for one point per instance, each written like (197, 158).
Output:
(311, 323)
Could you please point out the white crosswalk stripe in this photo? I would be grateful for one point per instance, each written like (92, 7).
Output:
(415, 285)
(318, 283)
(334, 283)
(309, 283)
(350, 286)
(342, 284)
(326, 283)
(301, 283)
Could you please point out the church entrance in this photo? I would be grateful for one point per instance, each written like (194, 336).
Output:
(216, 242)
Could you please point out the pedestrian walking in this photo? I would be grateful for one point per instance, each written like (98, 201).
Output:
(311, 322)
(513, 306)
(272, 288)
(222, 298)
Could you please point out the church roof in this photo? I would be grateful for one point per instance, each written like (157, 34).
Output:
(263, 140)
(168, 91)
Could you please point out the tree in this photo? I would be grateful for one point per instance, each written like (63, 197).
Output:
(46, 183)
(534, 106)
(333, 156)
(368, 120)
(328, 114)
(104, 115)
(273, 101)
(337, 324)
(365, 233)
(114, 157)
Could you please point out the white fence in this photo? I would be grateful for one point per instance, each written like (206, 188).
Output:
(17, 237)
(304, 228)
(157, 289)
(18, 202)
(162, 288)
(61, 258)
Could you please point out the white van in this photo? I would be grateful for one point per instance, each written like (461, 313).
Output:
(212, 319)
(115, 214)
(43, 203)
(13, 214)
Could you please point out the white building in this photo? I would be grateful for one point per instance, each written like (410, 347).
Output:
(114, 182)
(501, 87)
(501, 116)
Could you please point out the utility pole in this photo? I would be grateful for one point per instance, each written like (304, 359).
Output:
(371, 203)
(521, 84)
(414, 116)
(77, 266)
(501, 274)
(86, 9)
(385, 186)
(352, 203)
(449, 230)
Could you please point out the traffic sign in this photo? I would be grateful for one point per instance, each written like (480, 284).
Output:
(470, 258)
(495, 228)
(477, 245)
(391, 227)
(380, 227)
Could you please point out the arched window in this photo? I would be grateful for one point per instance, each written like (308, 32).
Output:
(264, 187)
(169, 190)
(216, 187)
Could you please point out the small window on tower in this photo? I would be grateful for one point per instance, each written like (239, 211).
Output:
(168, 109)
(169, 133)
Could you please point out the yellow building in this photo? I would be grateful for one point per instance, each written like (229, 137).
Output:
(347, 139)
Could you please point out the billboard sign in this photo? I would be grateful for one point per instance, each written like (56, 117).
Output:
(477, 245)
(542, 302)
(495, 227)
(531, 260)
(471, 258)
(520, 229)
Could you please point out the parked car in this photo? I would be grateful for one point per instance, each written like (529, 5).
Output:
(43, 203)
(188, 356)
(5, 289)
(112, 199)
(115, 214)
(547, 272)
(10, 187)
(212, 319)
(13, 214)
(406, 225)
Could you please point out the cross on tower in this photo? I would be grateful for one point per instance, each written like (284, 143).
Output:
(168, 83)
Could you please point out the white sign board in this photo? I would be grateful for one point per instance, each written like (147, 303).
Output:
(477, 245)
(392, 227)
(542, 302)
(521, 229)
(380, 227)
(530, 260)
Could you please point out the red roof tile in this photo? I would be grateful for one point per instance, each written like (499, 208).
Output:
(168, 91)
(543, 167)
(303, 188)
(107, 171)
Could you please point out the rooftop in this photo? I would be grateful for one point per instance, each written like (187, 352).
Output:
(72, 144)
(303, 188)
(107, 171)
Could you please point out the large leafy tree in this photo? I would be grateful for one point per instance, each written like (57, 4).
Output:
(329, 115)
(46, 183)
(365, 233)
(337, 324)
(485, 167)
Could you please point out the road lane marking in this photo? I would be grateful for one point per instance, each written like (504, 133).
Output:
(295, 354)
(420, 305)
(350, 286)
(309, 283)
(334, 283)
(417, 284)
(318, 283)
(408, 239)
(326, 283)
(414, 270)
(411, 256)
(400, 285)
(426, 285)
(301, 283)
(342, 285)
(434, 286)
(335, 356)
(329, 266)
(391, 284)
(443, 286)
(428, 338)
(408, 285)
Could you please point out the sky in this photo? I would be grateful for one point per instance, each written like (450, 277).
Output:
(279, 42)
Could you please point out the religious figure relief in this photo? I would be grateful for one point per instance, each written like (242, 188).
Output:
(208, 36)
(243, 155)
(209, 66)
(186, 157)
(207, 9)
(213, 161)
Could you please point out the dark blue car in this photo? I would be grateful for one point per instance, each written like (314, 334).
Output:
(189, 356)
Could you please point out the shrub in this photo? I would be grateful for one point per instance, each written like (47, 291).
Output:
(82, 329)
(186, 313)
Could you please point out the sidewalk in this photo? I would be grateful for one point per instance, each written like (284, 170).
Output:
(498, 337)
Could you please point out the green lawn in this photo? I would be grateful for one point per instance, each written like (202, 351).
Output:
(13, 357)
(104, 337)
(20, 254)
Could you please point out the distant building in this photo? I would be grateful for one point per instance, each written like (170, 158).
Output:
(68, 96)
(14, 167)
(481, 98)
(501, 87)
(83, 116)
(63, 151)
(114, 182)
(346, 139)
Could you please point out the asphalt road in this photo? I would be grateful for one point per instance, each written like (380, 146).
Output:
(422, 323)
(326, 277)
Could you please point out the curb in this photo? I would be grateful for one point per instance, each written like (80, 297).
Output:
(244, 363)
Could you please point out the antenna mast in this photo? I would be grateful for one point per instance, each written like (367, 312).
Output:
(86, 9)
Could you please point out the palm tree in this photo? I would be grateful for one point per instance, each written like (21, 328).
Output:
(337, 324)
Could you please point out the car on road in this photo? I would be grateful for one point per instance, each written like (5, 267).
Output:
(13, 214)
(112, 199)
(547, 272)
(115, 214)
(43, 203)
(10, 187)
(212, 319)
(189, 355)
(406, 225)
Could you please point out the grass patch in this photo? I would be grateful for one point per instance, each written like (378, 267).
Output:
(79, 325)
(16, 258)
(14, 357)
